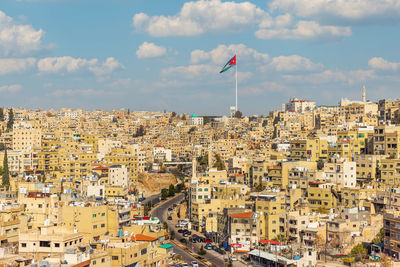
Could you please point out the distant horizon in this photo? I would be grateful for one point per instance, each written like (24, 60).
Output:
(134, 54)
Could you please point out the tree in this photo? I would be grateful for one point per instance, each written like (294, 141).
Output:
(147, 208)
(1, 114)
(140, 131)
(202, 251)
(219, 164)
(10, 122)
(173, 114)
(6, 173)
(2, 146)
(165, 226)
(238, 114)
(379, 237)
(180, 187)
(171, 190)
(274, 146)
(164, 193)
(280, 238)
(359, 251)
(172, 234)
(320, 164)
(115, 120)
(230, 263)
(192, 129)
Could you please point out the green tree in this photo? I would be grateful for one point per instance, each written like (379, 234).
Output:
(192, 129)
(173, 114)
(10, 122)
(147, 208)
(359, 251)
(165, 226)
(280, 238)
(1, 114)
(202, 251)
(172, 234)
(320, 164)
(171, 190)
(6, 173)
(238, 114)
(379, 237)
(164, 193)
(2, 146)
(219, 164)
(274, 146)
(230, 263)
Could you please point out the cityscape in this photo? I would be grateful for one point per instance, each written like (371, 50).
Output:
(218, 133)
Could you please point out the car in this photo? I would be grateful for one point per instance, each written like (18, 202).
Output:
(186, 234)
(208, 246)
(180, 231)
(170, 209)
(183, 240)
(169, 218)
(185, 265)
(163, 198)
(233, 258)
(214, 247)
(220, 251)
(189, 232)
(207, 240)
(194, 264)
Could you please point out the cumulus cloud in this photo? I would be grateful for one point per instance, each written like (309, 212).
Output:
(286, 28)
(190, 72)
(339, 10)
(70, 64)
(150, 50)
(329, 76)
(16, 39)
(107, 67)
(10, 88)
(13, 65)
(198, 17)
(223, 53)
(294, 63)
(382, 64)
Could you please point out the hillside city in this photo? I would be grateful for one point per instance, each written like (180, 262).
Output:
(306, 185)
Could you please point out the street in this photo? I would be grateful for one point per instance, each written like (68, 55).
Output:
(212, 256)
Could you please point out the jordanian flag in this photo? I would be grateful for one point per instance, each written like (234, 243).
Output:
(229, 64)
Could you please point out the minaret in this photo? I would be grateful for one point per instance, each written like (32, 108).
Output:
(363, 94)
(194, 168)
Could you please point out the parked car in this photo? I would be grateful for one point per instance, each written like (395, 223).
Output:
(233, 258)
(195, 264)
(221, 251)
(185, 265)
(208, 240)
(180, 231)
(169, 218)
(183, 240)
(214, 247)
(169, 209)
(208, 246)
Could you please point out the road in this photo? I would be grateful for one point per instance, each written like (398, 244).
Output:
(212, 256)
(154, 199)
(161, 213)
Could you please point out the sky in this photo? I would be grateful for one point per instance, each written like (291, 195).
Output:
(166, 55)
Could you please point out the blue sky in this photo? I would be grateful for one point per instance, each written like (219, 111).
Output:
(156, 55)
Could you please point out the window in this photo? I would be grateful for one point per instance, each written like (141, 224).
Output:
(23, 245)
(143, 251)
(114, 258)
(44, 244)
(94, 226)
(57, 245)
(94, 215)
(103, 225)
(103, 260)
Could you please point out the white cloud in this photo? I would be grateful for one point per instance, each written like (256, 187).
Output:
(339, 10)
(329, 76)
(222, 53)
(382, 64)
(16, 39)
(76, 92)
(286, 29)
(10, 88)
(70, 64)
(191, 71)
(198, 17)
(12, 65)
(150, 50)
(294, 63)
(107, 67)
(59, 64)
(265, 87)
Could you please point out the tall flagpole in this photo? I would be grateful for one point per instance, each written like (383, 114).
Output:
(236, 106)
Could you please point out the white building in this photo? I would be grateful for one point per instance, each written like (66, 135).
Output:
(118, 175)
(162, 153)
(298, 105)
(341, 171)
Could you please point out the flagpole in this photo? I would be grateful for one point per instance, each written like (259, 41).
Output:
(236, 106)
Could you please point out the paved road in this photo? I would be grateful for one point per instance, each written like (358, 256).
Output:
(154, 199)
(213, 257)
(161, 213)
